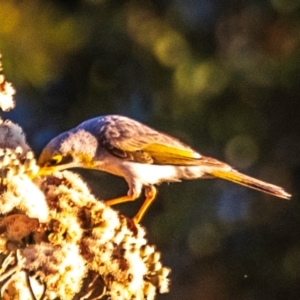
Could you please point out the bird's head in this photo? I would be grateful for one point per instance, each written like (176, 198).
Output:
(71, 149)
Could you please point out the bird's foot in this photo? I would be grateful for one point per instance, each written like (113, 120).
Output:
(150, 193)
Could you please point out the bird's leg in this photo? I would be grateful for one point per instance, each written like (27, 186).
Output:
(150, 193)
(134, 192)
(120, 200)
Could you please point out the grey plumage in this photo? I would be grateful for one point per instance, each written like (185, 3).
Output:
(143, 156)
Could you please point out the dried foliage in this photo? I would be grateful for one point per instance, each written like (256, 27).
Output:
(57, 241)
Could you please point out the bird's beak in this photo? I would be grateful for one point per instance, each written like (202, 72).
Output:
(48, 170)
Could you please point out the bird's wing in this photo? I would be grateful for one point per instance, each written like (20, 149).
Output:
(138, 142)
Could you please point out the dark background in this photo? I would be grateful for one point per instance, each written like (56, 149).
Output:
(223, 76)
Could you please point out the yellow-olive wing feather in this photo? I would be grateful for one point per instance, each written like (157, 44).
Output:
(134, 141)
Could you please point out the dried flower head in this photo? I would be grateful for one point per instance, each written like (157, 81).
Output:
(85, 249)
(12, 137)
(6, 92)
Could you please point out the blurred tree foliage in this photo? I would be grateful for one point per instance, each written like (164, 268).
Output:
(221, 75)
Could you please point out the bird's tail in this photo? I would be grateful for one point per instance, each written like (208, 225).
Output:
(234, 176)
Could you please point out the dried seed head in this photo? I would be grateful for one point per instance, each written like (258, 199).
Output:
(29, 155)
(19, 150)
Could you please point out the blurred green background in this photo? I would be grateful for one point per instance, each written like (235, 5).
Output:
(223, 76)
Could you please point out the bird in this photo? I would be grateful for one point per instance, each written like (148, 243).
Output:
(144, 157)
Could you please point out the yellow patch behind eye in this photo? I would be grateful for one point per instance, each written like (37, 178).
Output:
(57, 158)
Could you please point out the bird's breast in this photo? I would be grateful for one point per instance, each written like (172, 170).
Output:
(146, 173)
(156, 174)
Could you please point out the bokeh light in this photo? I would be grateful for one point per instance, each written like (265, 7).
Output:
(291, 263)
(200, 78)
(286, 6)
(205, 240)
(171, 49)
(242, 151)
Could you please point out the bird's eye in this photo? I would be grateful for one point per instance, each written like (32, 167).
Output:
(59, 159)
(55, 160)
